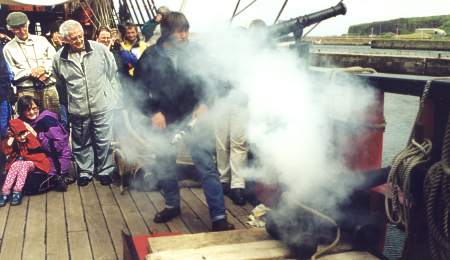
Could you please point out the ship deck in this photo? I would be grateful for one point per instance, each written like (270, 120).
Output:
(86, 222)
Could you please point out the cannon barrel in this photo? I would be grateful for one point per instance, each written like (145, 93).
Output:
(298, 23)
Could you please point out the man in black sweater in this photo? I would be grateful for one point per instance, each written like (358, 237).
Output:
(171, 96)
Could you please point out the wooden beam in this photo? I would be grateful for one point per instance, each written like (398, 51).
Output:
(190, 241)
(266, 249)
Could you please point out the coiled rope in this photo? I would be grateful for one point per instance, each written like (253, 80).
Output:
(437, 202)
(398, 206)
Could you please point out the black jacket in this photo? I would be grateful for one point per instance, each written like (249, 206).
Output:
(5, 75)
(166, 88)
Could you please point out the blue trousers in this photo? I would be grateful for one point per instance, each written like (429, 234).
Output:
(201, 144)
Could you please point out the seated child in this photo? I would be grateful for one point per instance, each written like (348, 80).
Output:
(50, 132)
(24, 156)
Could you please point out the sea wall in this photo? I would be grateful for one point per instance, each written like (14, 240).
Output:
(384, 63)
(411, 45)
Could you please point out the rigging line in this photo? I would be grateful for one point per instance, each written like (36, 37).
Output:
(155, 10)
(148, 10)
(140, 13)
(235, 10)
(245, 8)
(135, 18)
(183, 5)
(87, 15)
(280, 12)
(306, 34)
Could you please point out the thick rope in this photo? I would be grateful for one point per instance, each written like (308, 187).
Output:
(398, 207)
(437, 202)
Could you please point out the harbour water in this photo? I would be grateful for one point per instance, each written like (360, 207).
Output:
(400, 113)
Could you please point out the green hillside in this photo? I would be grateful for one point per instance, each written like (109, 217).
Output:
(405, 25)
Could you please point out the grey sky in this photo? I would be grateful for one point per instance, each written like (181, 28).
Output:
(203, 14)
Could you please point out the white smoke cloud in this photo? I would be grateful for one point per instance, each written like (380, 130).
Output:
(293, 116)
(292, 125)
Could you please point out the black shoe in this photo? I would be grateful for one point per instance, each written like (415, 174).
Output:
(225, 188)
(4, 198)
(83, 181)
(16, 198)
(69, 179)
(221, 225)
(237, 196)
(58, 183)
(167, 214)
(105, 179)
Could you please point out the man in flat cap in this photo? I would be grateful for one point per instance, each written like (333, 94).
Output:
(30, 59)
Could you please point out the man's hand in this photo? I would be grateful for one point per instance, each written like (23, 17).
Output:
(159, 120)
(158, 18)
(199, 111)
(37, 72)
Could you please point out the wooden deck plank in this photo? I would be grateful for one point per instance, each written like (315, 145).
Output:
(74, 209)
(197, 206)
(176, 224)
(230, 217)
(34, 244)
(13, 237)
(80, 247)
(105, 195)
(3, 220)
(131, 214)
(99, 237)
(115, 223)
(158, 244)
(191, 219)
(266, 249)
(57, 246)
(113, 216)
(148, 211)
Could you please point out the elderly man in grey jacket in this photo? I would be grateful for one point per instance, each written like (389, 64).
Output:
(86, 81)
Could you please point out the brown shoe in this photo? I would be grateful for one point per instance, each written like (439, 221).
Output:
(221, 225)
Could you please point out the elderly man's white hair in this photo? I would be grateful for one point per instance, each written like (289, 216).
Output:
(68, 27)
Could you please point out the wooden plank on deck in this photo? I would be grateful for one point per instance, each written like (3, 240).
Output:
(175, 225)
(158, 244)
(230, 217)
(34, 244)
(148, 211)
(13, 237)
(196, 205)
(74, 209)
(266, 249)
(3, 217)
(57, 246)
(191, 219)
(131, 214)
(99, 237)
(80, 247)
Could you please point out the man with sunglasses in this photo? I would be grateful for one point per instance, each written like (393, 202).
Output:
(30, 59)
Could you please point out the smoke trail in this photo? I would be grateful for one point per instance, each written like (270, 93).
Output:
(292, 116)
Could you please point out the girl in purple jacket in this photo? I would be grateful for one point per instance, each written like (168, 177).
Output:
(50, 132)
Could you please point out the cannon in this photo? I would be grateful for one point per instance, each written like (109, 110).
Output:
(296, 25)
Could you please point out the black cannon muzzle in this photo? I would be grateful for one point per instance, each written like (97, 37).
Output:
(296, 24)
